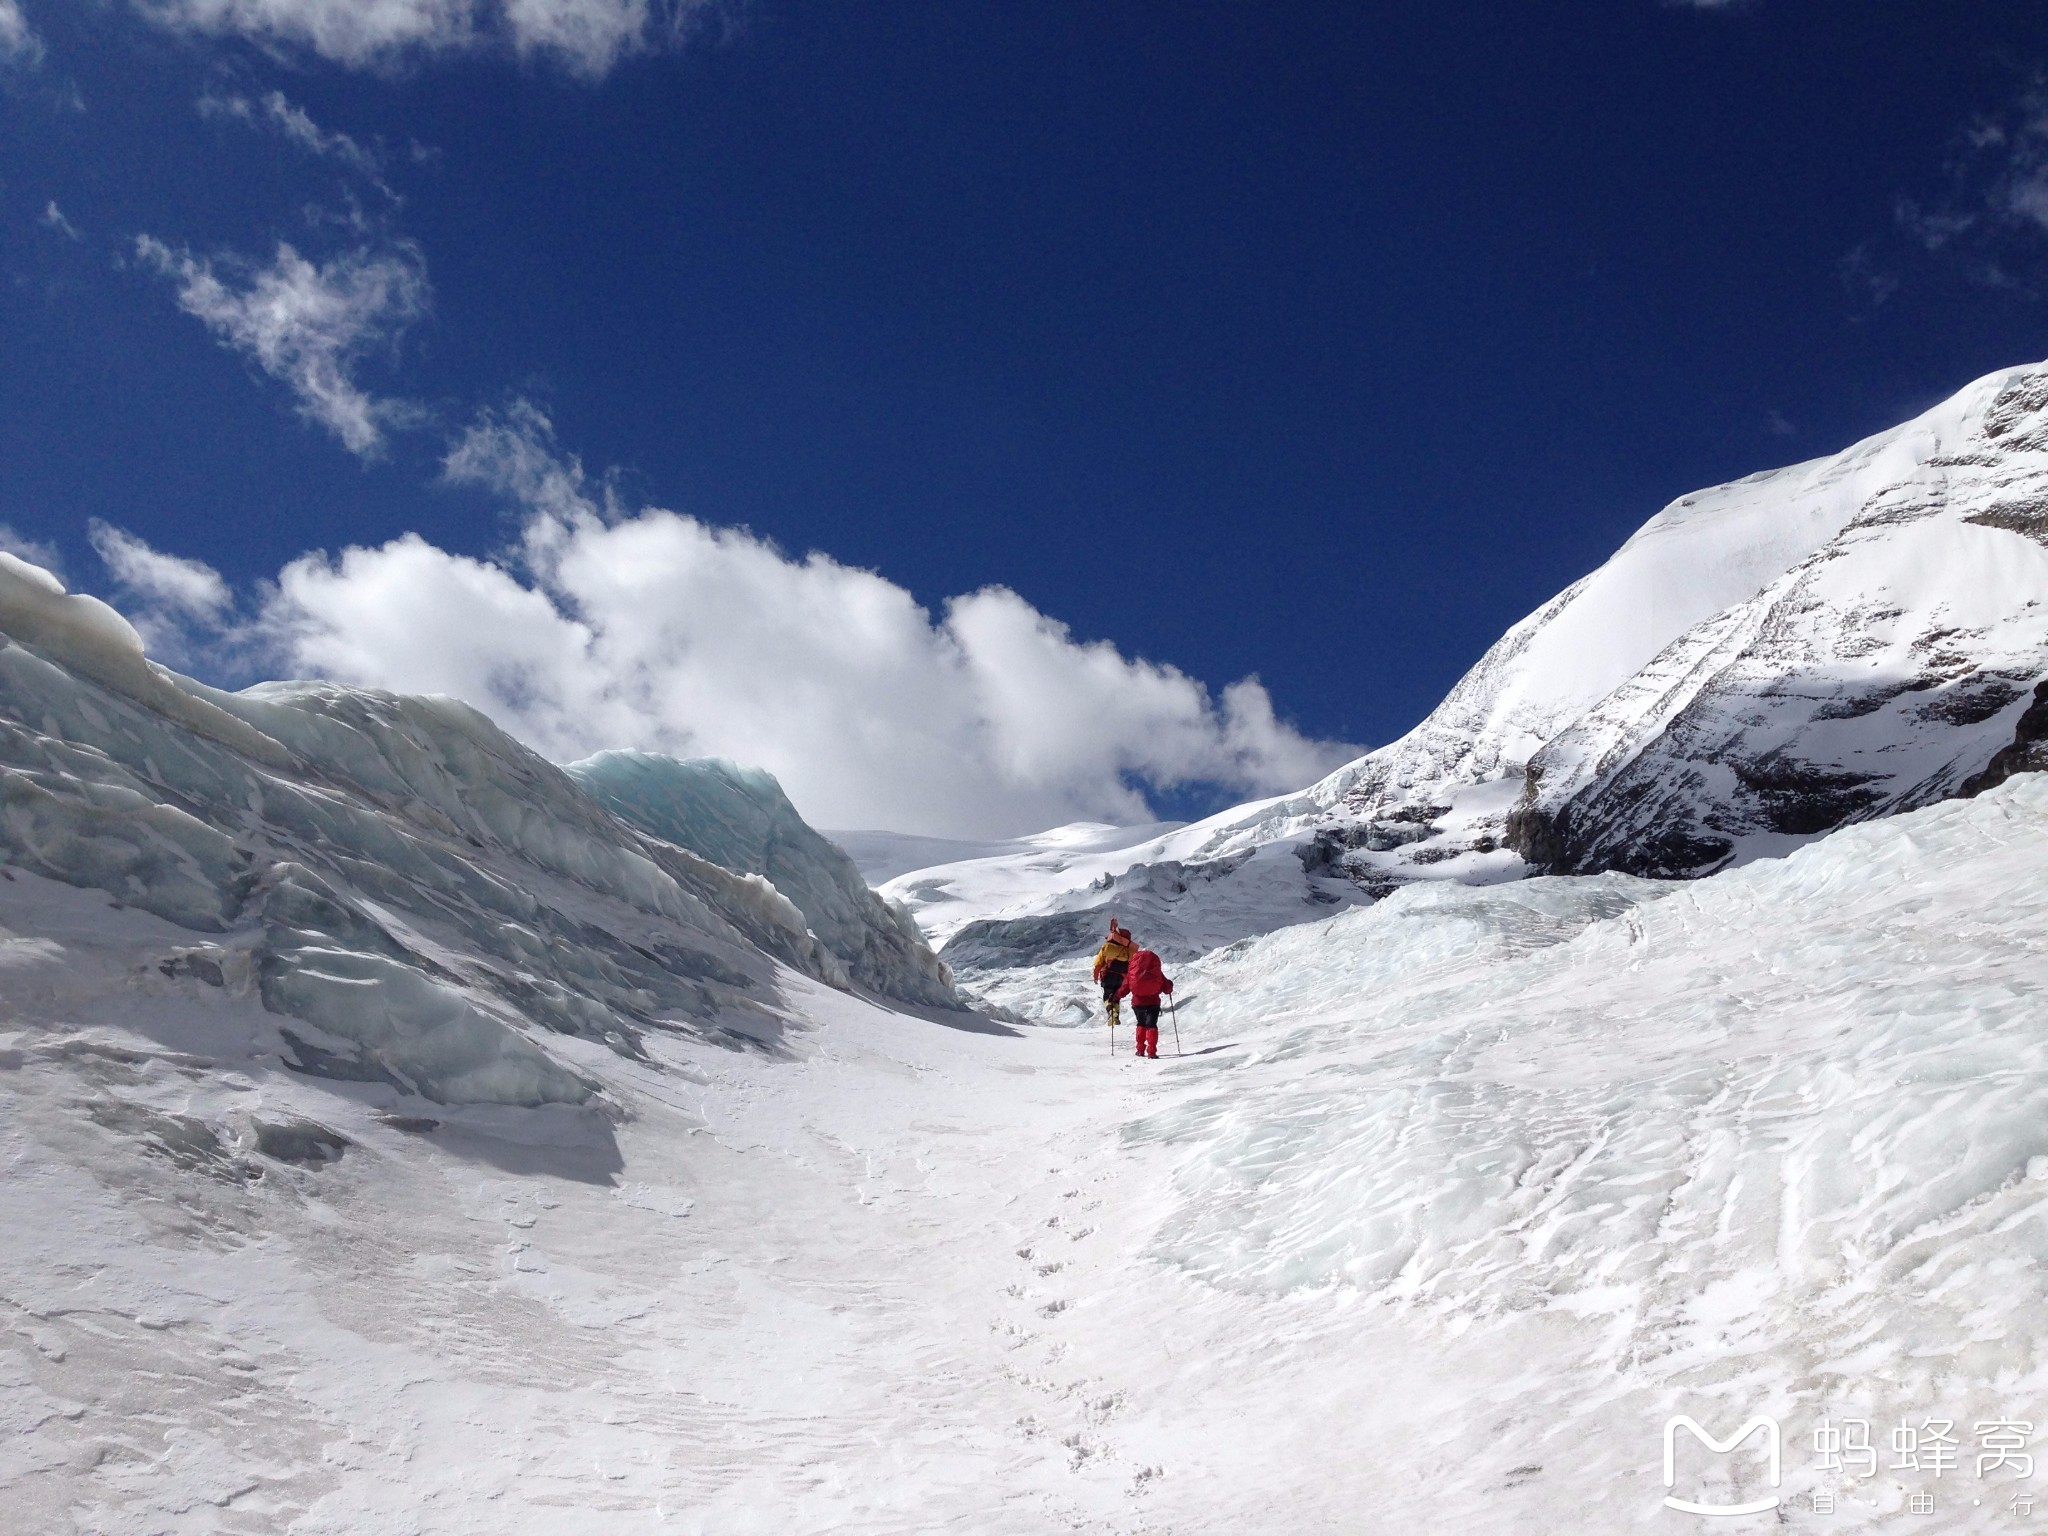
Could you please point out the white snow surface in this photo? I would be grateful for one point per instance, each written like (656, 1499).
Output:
(1449, 1205)
(1762, 661)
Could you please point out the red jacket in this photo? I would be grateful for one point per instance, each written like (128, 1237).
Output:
(1145, 981)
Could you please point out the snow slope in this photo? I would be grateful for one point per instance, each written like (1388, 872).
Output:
(1451, 1204)
(1839, 640)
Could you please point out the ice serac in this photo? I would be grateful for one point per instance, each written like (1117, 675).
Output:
(430, 905)
(1761, 663)
(740, 818)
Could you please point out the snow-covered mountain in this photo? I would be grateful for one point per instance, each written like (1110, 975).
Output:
(1761, 662)
(429, 904)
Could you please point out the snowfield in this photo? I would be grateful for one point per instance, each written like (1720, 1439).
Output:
(1451, 1203)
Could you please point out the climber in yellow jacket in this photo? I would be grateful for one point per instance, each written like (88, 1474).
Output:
(1111, 961)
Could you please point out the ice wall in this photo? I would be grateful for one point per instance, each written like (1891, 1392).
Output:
(739, 818)
(429, 902)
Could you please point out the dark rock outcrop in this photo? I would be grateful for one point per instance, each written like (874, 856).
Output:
(2027, 753)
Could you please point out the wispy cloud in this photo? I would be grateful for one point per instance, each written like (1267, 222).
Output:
(652, 629)
(309, 326)
(588, 36)
(346, 31)
(276, 114)
(585, 37)
(181, 608)
(2017, 149)
(19, 45)
(189, 589)
(53, 218)
(1990, 219)
(1869, 277)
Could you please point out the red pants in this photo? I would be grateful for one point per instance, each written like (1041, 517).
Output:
(1148, 1039)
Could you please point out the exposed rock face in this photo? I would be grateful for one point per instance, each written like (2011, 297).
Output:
(2026, 753)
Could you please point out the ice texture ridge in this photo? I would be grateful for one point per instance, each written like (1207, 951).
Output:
(436, 909)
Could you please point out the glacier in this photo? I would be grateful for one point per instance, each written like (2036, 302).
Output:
(1448, 1205)
(740, 820)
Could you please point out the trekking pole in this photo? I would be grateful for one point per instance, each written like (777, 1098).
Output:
(1173, 1013)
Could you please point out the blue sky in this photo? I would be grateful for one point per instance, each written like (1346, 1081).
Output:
(1313, 342)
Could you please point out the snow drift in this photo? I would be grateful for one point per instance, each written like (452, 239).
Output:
(1770, 1141)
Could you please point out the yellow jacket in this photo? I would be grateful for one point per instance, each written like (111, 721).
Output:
(1112, 952)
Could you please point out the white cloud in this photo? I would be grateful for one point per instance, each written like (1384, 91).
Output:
(2020, 192)
(189, 589)
(354, 32)
(658, 631)
(180, 607)
(281, 116)
(53, 218)
(19, 44)
(1991, 218)
(310, 326)
(587, 37)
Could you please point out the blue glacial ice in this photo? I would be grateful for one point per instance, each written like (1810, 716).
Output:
(740, 819)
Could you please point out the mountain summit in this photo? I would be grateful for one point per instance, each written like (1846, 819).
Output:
(1760, 663)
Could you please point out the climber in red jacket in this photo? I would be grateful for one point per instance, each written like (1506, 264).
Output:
(1144, 984)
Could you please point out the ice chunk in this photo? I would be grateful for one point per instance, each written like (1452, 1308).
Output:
(428, 1036)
